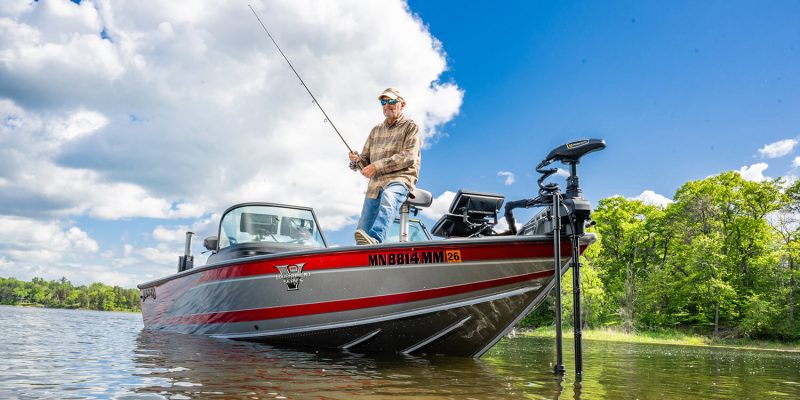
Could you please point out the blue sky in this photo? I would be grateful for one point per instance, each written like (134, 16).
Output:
(679, 91)
(123, 125)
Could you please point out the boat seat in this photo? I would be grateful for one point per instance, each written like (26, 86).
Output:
(419, 198)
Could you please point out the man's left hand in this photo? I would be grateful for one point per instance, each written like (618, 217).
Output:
(368, 171)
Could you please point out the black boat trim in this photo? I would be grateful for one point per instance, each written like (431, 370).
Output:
(436, 336)
(360, 340)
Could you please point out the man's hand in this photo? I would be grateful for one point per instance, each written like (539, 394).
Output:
(353, 156)
(368, 171)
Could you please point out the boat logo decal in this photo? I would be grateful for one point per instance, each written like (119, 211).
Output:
(291, 275)
(577, 143)
(415, 257)
(148, 292)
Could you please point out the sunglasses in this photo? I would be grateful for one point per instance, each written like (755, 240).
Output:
(390, 102)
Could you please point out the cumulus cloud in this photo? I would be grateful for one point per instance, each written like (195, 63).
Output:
(114, 110)
(788, 180)
(439, 206)
(28, 243)
(778, 149)
(502, 225)
(652, 198)
(510, 178)
(754, 173)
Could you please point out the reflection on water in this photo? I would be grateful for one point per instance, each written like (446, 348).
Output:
(84, 354)
(201, 367)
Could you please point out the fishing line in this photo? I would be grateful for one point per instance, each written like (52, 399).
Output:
(327, 119)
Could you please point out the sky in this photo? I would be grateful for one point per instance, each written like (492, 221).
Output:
(125, 124)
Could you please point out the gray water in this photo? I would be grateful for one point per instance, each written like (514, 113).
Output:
(64, 354)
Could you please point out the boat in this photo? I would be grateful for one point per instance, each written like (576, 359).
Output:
(272, 277)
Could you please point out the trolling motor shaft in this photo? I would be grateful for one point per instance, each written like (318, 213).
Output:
(571, 212)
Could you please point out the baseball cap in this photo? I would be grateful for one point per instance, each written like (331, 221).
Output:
(391, 93)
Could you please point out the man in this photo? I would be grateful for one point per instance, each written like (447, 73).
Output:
(391, 161)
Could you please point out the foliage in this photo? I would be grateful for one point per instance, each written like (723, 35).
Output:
(62, 294)
(721, 260)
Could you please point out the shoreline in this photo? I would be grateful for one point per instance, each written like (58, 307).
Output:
(667, 338)
(35, 305)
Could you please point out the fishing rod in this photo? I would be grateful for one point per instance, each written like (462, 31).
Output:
(327, 119)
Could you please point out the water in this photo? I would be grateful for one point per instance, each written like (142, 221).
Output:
(64, 354)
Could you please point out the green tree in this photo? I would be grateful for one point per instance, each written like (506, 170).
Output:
(630, 247)
(61, 294)
(723, 246)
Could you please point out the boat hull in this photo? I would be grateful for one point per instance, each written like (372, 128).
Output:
(454, 297)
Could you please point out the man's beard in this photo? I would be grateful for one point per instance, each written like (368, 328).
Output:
(391, 114)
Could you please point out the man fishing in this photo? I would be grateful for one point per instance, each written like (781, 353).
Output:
(391, 161)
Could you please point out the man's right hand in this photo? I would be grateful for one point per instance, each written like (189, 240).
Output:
(353, 156)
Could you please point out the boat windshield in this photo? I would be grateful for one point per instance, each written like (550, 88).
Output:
(262, 223)
(416, 232)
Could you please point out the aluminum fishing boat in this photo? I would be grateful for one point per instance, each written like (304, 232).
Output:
(272, 278)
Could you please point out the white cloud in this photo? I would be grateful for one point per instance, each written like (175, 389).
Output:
(788, 180)
(439, 206)
(754, 173)
(778, 149)
(179, 110)
(510, 178)
(172, 235)
(502, 224)
(29, 241)
(652, 198)
(80, 123)
(160, 254)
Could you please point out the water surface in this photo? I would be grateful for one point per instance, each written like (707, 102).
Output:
(63, 354)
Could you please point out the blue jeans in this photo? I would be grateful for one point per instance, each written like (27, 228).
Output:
(378, 214)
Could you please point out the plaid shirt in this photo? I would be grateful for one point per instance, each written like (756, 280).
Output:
(394, 150)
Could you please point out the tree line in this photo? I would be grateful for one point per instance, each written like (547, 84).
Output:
(721, 260)
(62, 294)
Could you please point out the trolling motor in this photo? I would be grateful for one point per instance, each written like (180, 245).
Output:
(568, 212)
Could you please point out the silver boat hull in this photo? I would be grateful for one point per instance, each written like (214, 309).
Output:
(453, 297)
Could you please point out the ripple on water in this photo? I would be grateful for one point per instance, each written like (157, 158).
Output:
(81, 354)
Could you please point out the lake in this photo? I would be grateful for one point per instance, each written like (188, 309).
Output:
(73, 354)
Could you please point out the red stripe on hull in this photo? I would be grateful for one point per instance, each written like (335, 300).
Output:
(349, 304)
(360, 258)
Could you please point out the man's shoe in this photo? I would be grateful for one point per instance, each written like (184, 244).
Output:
(364, 238)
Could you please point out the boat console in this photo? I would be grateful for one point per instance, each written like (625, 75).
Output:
(470, 214)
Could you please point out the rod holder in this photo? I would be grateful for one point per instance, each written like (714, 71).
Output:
(186, 261)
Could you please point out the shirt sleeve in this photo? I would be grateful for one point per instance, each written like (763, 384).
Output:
(364, 155)
(405, 157)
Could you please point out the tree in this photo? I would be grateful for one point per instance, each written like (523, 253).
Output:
(631, 245)
(724, 244)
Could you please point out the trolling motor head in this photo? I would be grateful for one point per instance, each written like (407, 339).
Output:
(578, 209)
(569, 154)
